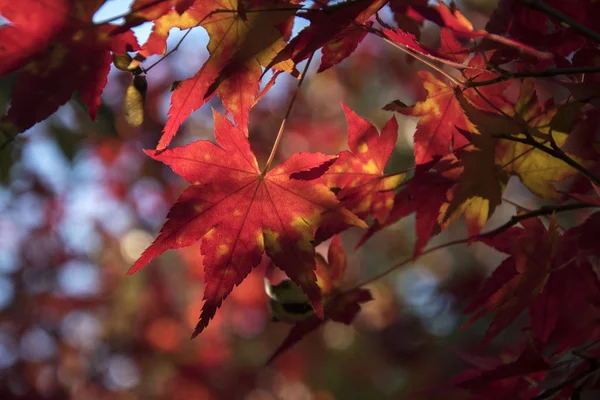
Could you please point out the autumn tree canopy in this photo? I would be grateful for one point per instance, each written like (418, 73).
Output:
(508, 99)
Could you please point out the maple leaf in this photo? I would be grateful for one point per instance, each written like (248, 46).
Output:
(449, 17)
(76, 56)
(148, 10)
(365, 190)
(515, 19)
(481, 183)
(536, 168)
(241, 43)
(28, 33)
(442, 118)
(239, 213)
(339, 306)
(498, 379)
(424, 194)
(568, 309)
(520, 278)
(342, 45)
(407, 39)
(405, 16)
(328, 29)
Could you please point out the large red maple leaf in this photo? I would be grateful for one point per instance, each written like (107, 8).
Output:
(240, 213)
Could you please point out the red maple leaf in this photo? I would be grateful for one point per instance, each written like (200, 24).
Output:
(365, 190)
(239, 213)
(521, 278)
(498, 379)
(424, 194)
(328, 29)
(405, 16)
(65, 52)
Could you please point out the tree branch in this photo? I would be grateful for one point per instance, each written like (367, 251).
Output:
(539, 5)
(554, 152)
(506, 75)
(514, 220)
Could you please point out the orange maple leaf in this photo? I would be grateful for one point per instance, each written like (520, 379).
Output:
(438, 130)
(239, 213)
(242, 41)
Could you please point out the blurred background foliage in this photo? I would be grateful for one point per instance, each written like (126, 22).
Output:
(79, 201)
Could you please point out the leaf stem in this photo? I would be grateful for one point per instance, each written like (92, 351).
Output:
(539, 5)
(424, 60)
(285, 117)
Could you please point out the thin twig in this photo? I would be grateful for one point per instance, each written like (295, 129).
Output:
(539, 5)
(173, 50)
(6, 143)
(514, 220)
(506, 75)
(285, 117)
(529, 140)
(425, 61)
(558, 154)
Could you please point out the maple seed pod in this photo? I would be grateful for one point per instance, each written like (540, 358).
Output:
(133, 101)
(122, 61)
(174, 85)
(287, 302)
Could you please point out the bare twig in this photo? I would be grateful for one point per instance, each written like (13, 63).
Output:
(173, 50)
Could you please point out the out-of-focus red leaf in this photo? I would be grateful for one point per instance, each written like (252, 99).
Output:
(528, 362)
(405, 16)
(79, 59)
(32, 26)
